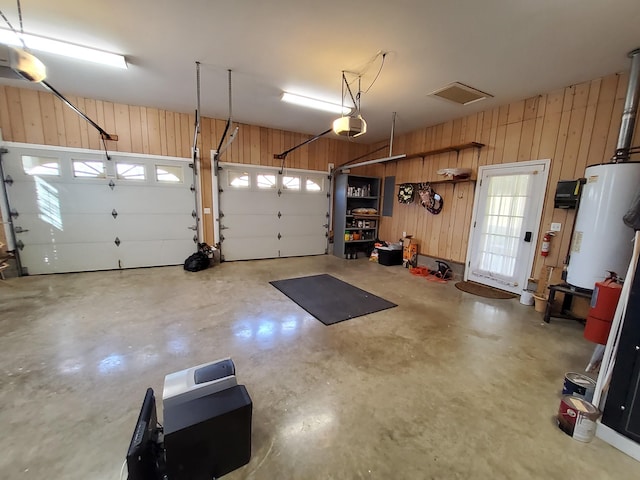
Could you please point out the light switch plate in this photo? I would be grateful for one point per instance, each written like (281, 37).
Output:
(207, 211)
(556, 227)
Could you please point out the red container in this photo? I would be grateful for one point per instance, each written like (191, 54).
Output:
(603, 307)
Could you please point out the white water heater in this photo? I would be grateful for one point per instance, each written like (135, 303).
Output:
(601, 241)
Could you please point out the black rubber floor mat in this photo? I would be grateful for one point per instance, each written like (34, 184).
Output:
(331, 300)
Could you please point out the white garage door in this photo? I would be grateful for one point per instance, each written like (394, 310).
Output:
(74, 210)
(265, 214)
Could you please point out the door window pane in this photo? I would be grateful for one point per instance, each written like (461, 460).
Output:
(266, 180)
(239, 179)
(313, 185)
(169, 173)
(291, 183)
(502, 228)
(40, 165)
(88, 169)
(130, 171)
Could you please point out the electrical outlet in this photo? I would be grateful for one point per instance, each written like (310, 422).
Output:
(556, 227)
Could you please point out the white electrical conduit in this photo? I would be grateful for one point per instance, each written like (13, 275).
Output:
(611, 350)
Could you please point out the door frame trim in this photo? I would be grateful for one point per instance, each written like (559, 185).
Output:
(538, 211)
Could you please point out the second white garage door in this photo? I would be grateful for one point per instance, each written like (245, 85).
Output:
(266, 214)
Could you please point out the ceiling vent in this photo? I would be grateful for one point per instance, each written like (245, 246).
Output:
(460, 93)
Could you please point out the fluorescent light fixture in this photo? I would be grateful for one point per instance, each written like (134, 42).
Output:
(42, 44)
(315, 103)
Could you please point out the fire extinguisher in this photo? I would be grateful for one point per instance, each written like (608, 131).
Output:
(546, 244)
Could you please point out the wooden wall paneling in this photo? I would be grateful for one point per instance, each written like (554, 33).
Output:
(15, 114)
(177, 126)
(93, 136)
(32, 118)
(581, 94)
(144, 127)
(123, 127)
(72, 124)
(603, 119)
(512, 141)
(537, 134)
(572, 146)
(516, 112)
(501, 137)
(254, 145)
(531, 108)
(503, 115)
(264, 146)
(162, 132)
(554, 176)
(135, 128)
(526, 140)
(585, 141)
(154, 137)
(84, 125)
(171, 134)
(49, 124)
(187, 123)
(59, 109)
(110, 123)
(5, 117)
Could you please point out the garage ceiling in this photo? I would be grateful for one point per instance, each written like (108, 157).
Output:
(511, 49)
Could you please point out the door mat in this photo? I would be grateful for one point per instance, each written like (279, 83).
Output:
(483, 290)
(331, 300)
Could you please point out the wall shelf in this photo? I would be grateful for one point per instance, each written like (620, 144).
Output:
(449, 149)
(441, 182)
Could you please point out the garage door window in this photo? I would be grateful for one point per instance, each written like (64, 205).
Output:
(169, 173)
(88, 169)
(266, 180)
(239, 179)
(130, 171)
(291, 183)
(313, 185)
(40, 165)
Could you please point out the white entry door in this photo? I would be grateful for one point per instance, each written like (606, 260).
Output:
(263, 213)
(505, 224)
(74, 210)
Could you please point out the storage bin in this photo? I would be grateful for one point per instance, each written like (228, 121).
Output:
(389, 257)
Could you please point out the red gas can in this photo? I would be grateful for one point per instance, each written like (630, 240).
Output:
(603, 307)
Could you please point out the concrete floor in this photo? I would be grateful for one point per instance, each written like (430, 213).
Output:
(445, 386)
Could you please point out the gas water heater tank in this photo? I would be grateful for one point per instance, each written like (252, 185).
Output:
(601, 241)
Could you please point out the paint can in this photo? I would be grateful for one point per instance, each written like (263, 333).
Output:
(577, 418)
(579, 385)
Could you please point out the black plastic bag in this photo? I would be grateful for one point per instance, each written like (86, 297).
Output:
(196, 262)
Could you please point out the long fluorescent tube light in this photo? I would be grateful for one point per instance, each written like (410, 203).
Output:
(42, 44)
(315, 103)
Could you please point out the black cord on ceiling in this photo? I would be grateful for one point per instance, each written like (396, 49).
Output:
(384, 55)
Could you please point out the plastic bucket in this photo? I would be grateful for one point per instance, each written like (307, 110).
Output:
(540, 303)
(526, 298)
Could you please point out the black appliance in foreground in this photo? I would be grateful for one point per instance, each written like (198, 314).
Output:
(203, 438)
(145, 456)
(622, 408)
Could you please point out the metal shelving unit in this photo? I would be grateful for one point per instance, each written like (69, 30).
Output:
(348, 223)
